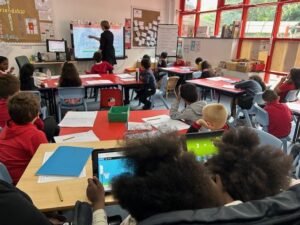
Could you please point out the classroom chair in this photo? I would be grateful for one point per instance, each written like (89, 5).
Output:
(4, 174)
(292, 96)
(21, 60)
(67, 93)
(171, 84)
(262, 118)
(252, 111)
(43, 109)
(268, 139)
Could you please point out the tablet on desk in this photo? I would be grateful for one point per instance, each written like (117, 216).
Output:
(107, 164)
(202, 144)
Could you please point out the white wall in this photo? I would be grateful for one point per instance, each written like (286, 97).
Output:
(96, 10)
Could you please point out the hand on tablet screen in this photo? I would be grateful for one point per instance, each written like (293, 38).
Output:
(95, 193)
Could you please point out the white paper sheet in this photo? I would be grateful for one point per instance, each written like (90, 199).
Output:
(55, 77)
(125, 75)
(294, 106)
(47, 179)
(164, 122)
(138, 126)
(90, 76)
(79, 119)
(228, 86)
(88, 136)
(99, 82)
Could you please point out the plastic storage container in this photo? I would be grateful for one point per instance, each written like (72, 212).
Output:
(118, 114)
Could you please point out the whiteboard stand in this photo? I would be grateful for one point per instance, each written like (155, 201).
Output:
(167, 38)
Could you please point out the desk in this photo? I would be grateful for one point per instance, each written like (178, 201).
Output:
(295, 108)
(113, 131)
(54, 64)
(44, 196)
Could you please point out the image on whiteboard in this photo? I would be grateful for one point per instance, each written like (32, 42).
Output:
(31, 26)
(85, 47)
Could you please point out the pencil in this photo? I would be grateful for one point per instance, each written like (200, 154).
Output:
(59, 194)
(68, 138)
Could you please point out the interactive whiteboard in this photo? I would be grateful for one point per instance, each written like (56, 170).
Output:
(84, 47)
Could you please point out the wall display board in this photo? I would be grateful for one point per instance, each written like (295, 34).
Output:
(213, 50)
(25, 22)
(145, 26)
(167, 36)
(84, 47)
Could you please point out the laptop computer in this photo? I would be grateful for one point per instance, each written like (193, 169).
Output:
(107, 164)
(202, 144)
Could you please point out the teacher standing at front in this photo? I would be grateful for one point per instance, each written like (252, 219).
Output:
(106, 43)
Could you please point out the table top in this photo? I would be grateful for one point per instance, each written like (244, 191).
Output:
(115, 80)
(105, 130)
(44, 195)
(51, 62)
(178, 70)
(218, 84)
(294, 106)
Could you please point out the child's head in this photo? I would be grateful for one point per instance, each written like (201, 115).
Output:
(163, 55)
(249, 171)
(146, 64)
(26, 71)
(9, 85)
(23, 107)
(97, 56)
(188, 93)
(198, 60)
(205, 65)
(215, 115)
(258, 80)
(162, 181)
(146, 57)
(270, 96)
(3, 63)
(295, 77)
(69, 76)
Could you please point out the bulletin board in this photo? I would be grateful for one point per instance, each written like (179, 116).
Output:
(25, 22)
(145, 26)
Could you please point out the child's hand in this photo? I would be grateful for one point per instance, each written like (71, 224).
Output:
(202, 123)
(42, 85)
(282, 79)
(95, 193)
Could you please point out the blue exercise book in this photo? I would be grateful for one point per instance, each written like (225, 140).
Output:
(66, 161)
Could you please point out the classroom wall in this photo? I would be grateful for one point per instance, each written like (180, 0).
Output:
(94, 10)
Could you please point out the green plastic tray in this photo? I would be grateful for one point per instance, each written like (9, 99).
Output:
(118, 114)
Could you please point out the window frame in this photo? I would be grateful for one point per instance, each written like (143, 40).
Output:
(245, 5)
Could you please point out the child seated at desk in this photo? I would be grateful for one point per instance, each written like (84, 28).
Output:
(179, 62)
(100, 67)
(149, 87)
(28, 82)
(162, 63)
(20, 138)
(4, 66)
(193, 110)
(198, 62)
(214, 117)
(280, 116)
(206, 70)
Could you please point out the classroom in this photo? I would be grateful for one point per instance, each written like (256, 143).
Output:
(149, 112)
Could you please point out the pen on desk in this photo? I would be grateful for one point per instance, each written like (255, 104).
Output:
(153, 119)
(59, 194)
(68, 138)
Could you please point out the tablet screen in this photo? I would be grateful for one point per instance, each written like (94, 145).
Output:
(202, 144)
(110, 165)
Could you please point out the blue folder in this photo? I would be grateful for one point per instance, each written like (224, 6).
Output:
(66, 161)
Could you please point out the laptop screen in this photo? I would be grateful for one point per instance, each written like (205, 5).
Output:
(202, 144)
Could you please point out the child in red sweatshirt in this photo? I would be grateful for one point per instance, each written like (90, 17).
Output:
(20, 138)
(280, 116)
(100, 67)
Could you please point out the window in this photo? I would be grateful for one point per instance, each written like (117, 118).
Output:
(190, 4)
(261, 1)
(228, 16)
(260, 21)
(233, 2)
(188, 24)
(255, 49)
(209, 5)
(290, 21)
(209, 20)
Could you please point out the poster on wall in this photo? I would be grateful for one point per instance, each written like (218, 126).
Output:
(128, 33)
(144, 25)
